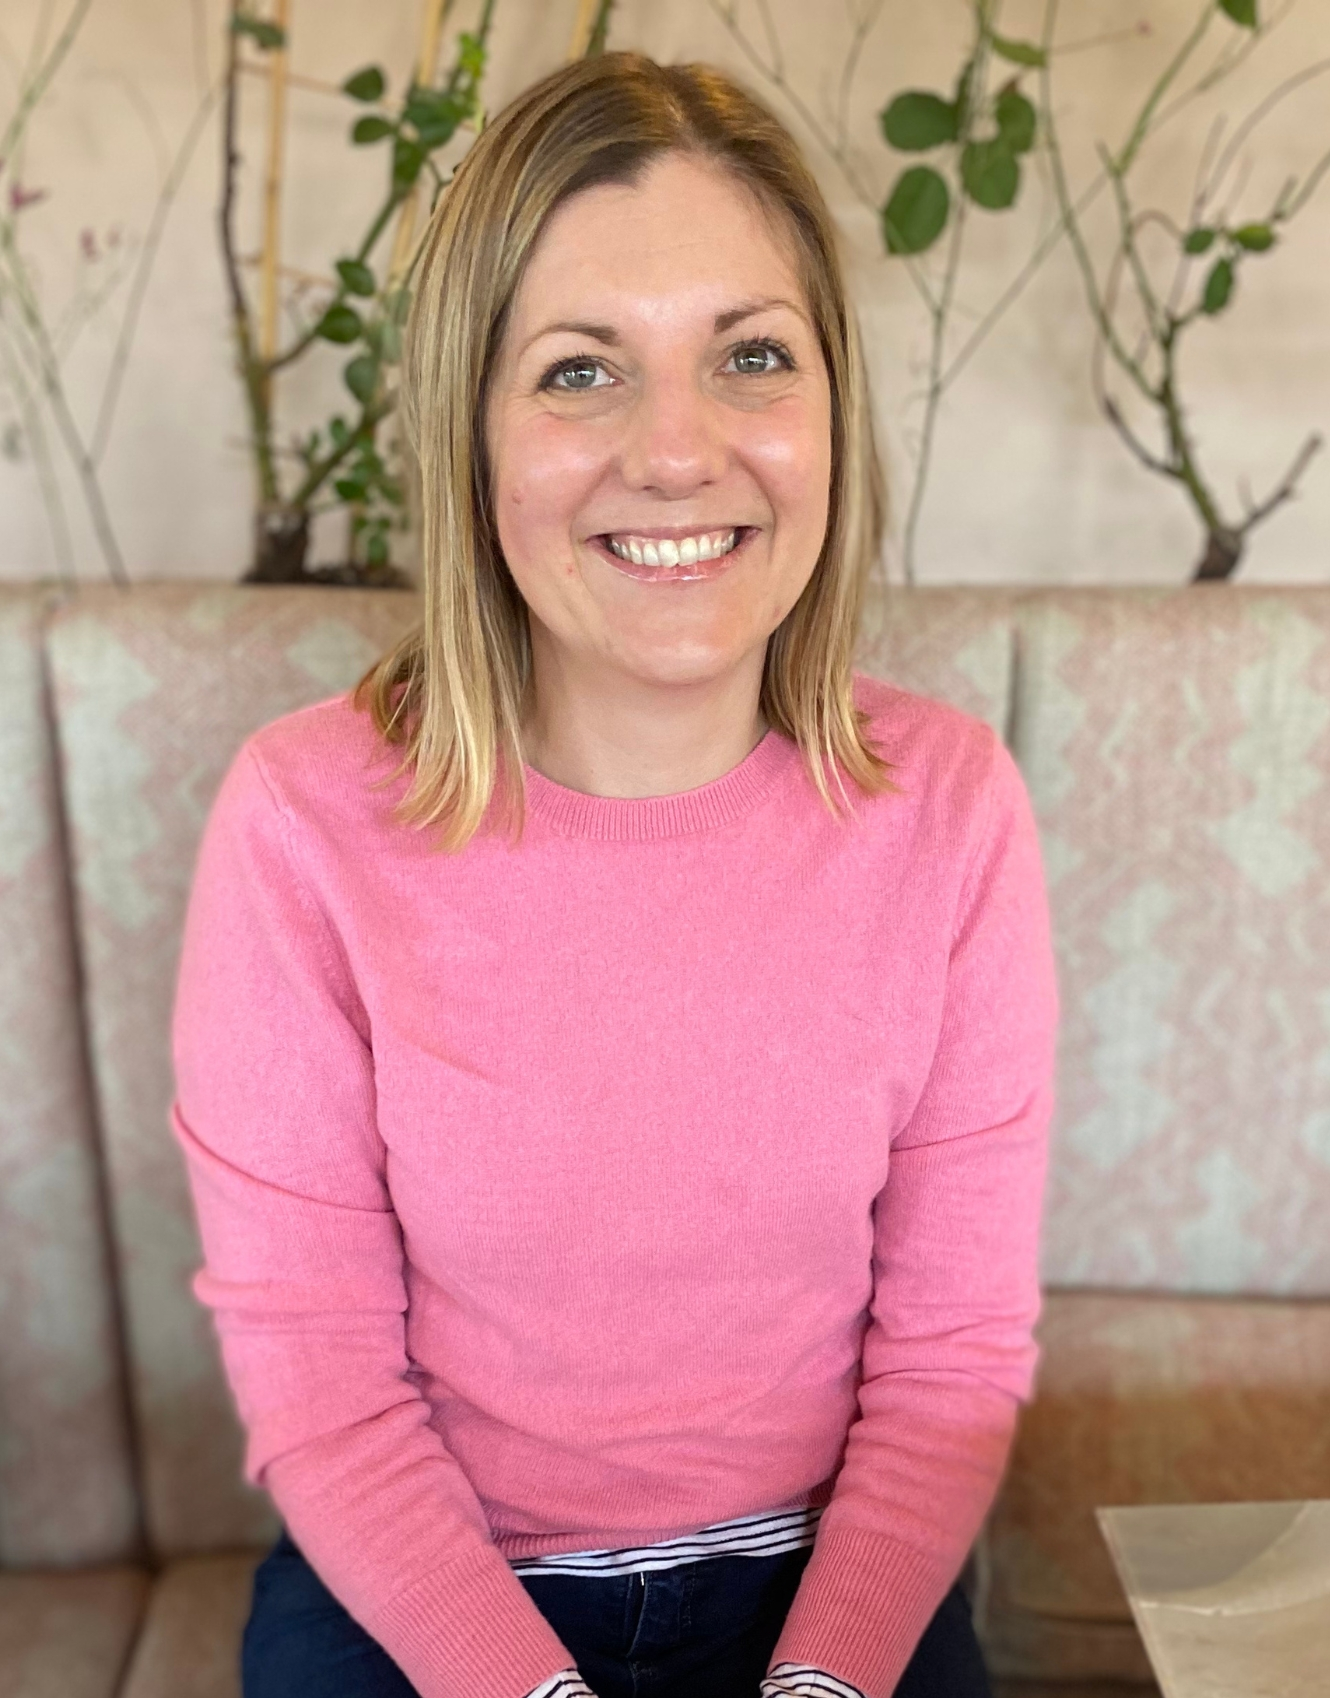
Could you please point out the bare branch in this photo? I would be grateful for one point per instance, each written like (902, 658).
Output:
(1256, 117)
(142, 271)
(1288, 488)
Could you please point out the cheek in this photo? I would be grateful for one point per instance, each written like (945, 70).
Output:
(791, 452)
(544, 470)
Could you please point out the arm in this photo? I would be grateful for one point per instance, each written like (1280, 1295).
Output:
(948, 1354)
(303, 1268)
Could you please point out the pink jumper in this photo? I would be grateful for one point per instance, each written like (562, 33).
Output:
(683, 1162)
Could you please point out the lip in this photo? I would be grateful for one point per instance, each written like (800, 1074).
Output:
(699, 572)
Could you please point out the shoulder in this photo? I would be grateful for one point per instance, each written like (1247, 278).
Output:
(935, 749)
(320, 761)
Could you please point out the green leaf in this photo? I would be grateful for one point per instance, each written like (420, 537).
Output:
(264, 34)
(408, 157)
(338, 432)
(916, 121)
(1218, 287)
(1256, 238)
(1019, 52)
(362, 376)
(350, 489)
(366, 130)
(990, 173)
(471, 55)
(916, 214)
(434, 114)
(390, 342)
(368, 84)
(376, 546)
(1016, 120)
(340, 323)
(961, 100)
(398, 304)
(357, 276)
(1199, 241)
(1241, 11)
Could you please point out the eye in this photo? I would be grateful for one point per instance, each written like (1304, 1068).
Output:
(577, 373)
(761, 357)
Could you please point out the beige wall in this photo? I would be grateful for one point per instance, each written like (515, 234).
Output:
(1030, 484)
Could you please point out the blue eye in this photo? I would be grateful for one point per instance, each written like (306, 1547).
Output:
(760, 358)
(579, 373)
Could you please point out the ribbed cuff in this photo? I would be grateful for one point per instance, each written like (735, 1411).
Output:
(470, 1630)
(861, 1608)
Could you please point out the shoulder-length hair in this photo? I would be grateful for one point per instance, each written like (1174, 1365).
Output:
(455, 690)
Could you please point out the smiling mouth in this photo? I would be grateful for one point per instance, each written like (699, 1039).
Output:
(687, 550)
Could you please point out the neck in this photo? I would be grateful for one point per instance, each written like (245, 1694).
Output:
(641, 741)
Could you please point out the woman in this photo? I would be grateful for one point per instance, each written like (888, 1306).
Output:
(621, 1230)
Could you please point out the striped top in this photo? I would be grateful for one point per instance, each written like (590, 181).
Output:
(762, 1535)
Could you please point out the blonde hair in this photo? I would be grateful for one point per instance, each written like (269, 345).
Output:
(455, 690)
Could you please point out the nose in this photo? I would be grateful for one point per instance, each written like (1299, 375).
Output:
(673, 443)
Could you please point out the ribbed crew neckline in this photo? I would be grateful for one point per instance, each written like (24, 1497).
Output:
(636, 819)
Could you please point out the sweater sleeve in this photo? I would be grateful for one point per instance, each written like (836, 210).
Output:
(274, 1110)
(948, 1353)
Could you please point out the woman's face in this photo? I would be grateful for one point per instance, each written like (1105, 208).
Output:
(660, 387)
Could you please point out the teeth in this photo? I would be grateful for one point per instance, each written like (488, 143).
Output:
(685, 551)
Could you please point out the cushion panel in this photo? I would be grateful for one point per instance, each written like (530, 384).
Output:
(1177, 748)
(154, 692)
(66, 1473)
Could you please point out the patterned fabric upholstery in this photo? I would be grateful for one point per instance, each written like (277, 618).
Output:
(948, 643)
(1177, 748)
(66, 1478)
(155, 690)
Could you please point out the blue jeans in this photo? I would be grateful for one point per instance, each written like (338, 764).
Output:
(704, 1629)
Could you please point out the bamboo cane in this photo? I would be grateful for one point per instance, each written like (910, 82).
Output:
(586, 22)
(431, 31)
(272, 192)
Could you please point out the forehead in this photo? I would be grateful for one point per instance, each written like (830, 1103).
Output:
(688, 238)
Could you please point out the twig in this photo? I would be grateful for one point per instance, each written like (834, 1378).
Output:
(272, 187)
(1257, 116)
(1288, 488)
(34, 88)
(937, 346)
(142, 272)
(35, 433)
(582, 27)
(242, 322)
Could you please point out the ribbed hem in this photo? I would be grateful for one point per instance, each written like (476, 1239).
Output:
(470, 1630)
(635, 819)
(861, 1608)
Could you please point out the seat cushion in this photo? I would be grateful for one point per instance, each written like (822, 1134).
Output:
(1072, 1689)
(1142, 1400)
(190, 1643)
(68, 1634)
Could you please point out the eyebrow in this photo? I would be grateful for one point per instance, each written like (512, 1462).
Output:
(609, 336)
(727, 320)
